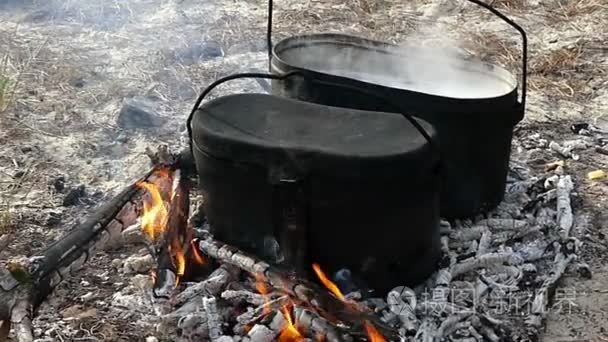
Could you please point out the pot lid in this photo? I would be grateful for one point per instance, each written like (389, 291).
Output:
(302, 137)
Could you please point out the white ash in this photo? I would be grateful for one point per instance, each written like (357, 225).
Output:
(509, 257)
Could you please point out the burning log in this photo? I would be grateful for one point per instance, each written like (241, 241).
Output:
(319, 326)
(253, 316)
(24, 287)
(297, 288)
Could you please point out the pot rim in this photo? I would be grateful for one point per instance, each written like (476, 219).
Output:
(381, 47)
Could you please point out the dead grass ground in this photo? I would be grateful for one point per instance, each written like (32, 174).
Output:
(71, 64)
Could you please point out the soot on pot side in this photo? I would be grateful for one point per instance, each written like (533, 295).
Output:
(472, 105)
(340, 187)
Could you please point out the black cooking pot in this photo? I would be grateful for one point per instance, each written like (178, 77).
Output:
(472, 105)
(345, 188)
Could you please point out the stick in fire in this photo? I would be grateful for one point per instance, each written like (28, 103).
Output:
(25, 285)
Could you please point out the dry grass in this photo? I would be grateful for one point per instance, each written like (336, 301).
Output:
(558, 62)
(562, 72)
(510, 4)
(568, 9)
(493, 49)
(5, 84)
(7, 224)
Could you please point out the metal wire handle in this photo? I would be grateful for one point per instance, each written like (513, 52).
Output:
(206, 91)
(477, 2)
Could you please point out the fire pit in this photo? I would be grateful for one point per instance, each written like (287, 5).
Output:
(472, 105)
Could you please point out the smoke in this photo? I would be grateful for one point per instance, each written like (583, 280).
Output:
(430, 60)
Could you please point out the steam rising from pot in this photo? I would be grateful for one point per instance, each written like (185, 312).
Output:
(428, 61)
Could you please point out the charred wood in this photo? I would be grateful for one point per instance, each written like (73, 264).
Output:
(239, 296)
(486, 261)
(296, 287)
(261, 333)
(565, 218)
(214, 320)
(212, 286)
(485, 241)
(547, 290)
(316, 326)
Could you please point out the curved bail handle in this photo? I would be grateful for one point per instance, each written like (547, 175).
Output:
(269, 32)
(524, 38)
(218, 82)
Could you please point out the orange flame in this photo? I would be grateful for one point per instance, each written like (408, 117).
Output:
(289, 333)
(154, 217)
(260, 285)
(198, 258)
(373, 334)
(328, 283)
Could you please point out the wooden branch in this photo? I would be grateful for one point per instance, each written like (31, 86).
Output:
(212, 286)
(486, 261)
(24, 287)
(21, 320)
(69, 253)
(296, 287)
(175, 241)
(315, 326)
(547, 289)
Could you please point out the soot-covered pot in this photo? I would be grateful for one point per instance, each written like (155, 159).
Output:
(473, 105)
(364, 185)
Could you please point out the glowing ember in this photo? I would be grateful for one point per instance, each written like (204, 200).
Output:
(328, 283)
(198, 258)
(289, 333)
(154, 217)
(260, 285)
(373, 334)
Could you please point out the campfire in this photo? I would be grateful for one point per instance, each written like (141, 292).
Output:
(295, 308)
(204, 289)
